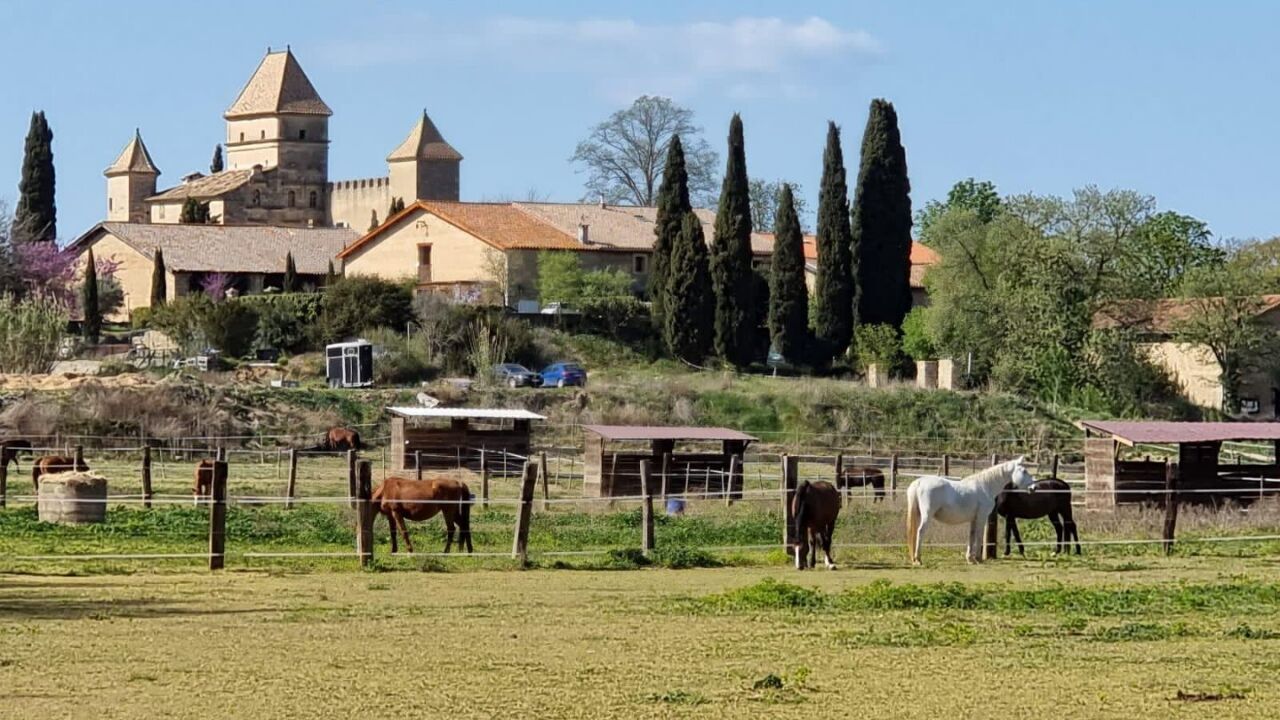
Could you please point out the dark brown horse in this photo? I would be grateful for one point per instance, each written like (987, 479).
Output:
(9, 451)
(815, 507)
(50, 464)
(1048, 497)
(862, 477)
(203, 486)
(338, 439)
(403, 499)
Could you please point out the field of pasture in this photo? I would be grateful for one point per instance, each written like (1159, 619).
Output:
(1180, 637)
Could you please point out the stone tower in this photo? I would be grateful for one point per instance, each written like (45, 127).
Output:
(131, 179)
(425, 166)
(280, 123)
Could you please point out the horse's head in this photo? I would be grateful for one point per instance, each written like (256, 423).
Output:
(1019, 475)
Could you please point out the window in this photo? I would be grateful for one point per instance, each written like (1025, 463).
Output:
(638, 263)
(111, 205)
(312, 199)
(241, 137)
(302, 134)
(257, 198)
(264, 135)
(424, 263)
(162, 212)
(293, 198)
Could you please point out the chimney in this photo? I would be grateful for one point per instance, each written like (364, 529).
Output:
(311, 222)
(602, 202)
(584, 236)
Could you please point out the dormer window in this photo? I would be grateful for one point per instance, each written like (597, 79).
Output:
(292, 198)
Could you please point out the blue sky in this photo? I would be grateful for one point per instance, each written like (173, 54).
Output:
(1175, 99)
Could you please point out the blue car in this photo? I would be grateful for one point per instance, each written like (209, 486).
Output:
(564, 374)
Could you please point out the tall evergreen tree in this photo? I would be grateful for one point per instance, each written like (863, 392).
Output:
(290, 274)
(788, 294)
(688, 323)
(215, 166)
(159, 286)
(373, 219)
(36, 216)
(330, 276)
(397, 204)
(194, 212)
(673, 205)
(834, 288)
(882, 222)
(92, 327)
(737, 313)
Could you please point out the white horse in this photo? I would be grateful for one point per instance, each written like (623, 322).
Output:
(971, 500)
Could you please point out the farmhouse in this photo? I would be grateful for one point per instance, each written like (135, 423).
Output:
(1193, 366)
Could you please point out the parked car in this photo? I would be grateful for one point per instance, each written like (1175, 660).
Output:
(516, 375)
(564, 374)
(559, 308)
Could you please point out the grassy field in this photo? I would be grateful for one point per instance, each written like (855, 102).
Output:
(1183, 637)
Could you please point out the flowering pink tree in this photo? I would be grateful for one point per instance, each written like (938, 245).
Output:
(215, 285)
(48, 270)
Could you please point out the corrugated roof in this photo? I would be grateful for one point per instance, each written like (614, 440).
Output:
(133, 159)
(209, 186)
(424, 143)
(278, 86)
(665, 432)
(470, 413)
(1165, 431)
(230, 248)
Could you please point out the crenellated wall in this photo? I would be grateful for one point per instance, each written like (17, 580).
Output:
(350, 201)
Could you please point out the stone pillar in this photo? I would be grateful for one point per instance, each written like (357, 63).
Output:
(948, 375)
(927, 374)
(877, 376)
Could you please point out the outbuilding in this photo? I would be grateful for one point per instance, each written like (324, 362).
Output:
(445, 438)
(682, 459)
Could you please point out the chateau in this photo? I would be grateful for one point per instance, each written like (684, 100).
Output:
(277, 165)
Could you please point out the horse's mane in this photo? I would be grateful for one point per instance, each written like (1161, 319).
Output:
(983, 476)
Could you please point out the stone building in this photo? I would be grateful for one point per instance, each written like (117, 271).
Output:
(277, 165)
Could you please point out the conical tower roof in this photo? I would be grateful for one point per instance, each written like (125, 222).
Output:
(278, 86)
(133, 159)
(424, 143)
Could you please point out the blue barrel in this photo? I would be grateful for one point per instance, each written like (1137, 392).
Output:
(675, 506)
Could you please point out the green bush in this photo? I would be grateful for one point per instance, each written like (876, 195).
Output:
(285, 321)
(878, 345)
(194, 322)
(30, 331)
(353, 304)
(140, 318)
(916, 342)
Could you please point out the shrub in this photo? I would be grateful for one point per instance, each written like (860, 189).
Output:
(140, 318)
(194, 322)
(916, 342)
(404, 359)
(284, 321)
(621, 318)
(30, 331)
(353, 304)
(878, 345)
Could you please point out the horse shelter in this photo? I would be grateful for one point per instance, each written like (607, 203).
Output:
(499, 435)
(681, 459)
(1199, 475)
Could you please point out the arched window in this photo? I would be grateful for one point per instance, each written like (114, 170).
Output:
(257, 198)
(312, 199)
(293, 197)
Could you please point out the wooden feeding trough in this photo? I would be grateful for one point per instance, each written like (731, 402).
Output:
(682, 459)
(1199, 474)
(450, 438)
(72, 498)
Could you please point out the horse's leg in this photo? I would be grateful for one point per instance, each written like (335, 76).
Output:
(1017, 536)
(391, 522)
(826, 544)
(919, 549)
(815, 539)
(404, 530)
(1058, 532)
(1008, 536)
(448, 526)
(802, 547)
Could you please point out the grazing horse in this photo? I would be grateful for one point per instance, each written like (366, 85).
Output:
(862, 477)
(815, 507)
(50, 464)
(971, 500)
(1050, 497)
(340, 439)
(9, 451)
(403, 499)
(203, 486)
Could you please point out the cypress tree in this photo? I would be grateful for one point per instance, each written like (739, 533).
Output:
(373, 219)
(330, 276)
(737, 316)
(92, 326)
(834, 289)
(788, 295)
(673, 205)
(36, 216)
(397, 204)
(190, 213)
(882, 222)
(688, 323)
(159, 286)
(215, 166)
(290, 274)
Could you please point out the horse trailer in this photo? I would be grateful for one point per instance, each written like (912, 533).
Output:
(349, 364)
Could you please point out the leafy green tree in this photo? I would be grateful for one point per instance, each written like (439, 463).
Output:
(980, 196)
(834, 289)
(561, 278)
(159, 281)
(737, 317)
(673, 205)
(36, 216)
(882, 222)
(354, 304)
(92, 327)
(788, 294)
(878, 345)
(290, 283)
(1165, 248)
(689, 320)
(215, 166)
(916, 342)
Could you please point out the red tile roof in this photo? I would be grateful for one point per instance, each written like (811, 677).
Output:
(1160, 316)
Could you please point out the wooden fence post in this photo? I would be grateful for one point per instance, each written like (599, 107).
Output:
(220, 454)
(364, 512)
(484, 479)
(946, 465)
(146, 476)
(1171, 500)
(841, 485)
(291, 486)
(218, 517)
(790, 476)
(351, 477)
(4, 483)
(520, 548)
(733, 474)
(417, 464)
(1053, 472)
(893, 475)
(646, 509)
(666, 468)
(542, 470)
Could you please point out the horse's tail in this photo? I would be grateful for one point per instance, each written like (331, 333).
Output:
(801, 505)
(913, 520)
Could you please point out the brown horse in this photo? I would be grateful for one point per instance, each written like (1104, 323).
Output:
(337, 439)
(9, 451)
(403, 499)
(862, 477)
(203, 486)
(50, 464)
(815, 507)
(1048, 497)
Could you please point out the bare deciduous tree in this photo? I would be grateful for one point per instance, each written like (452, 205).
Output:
(624, 155)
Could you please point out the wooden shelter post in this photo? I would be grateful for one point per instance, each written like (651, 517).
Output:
(646, 509)
(790, 476)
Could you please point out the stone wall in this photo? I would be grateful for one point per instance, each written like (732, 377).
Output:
(350, 202)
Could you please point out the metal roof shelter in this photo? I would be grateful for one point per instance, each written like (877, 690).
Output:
(498, 437)
(615, 472)
(1110, 480)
